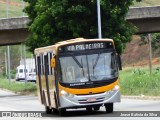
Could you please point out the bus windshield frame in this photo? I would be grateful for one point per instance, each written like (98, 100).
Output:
(90, 66)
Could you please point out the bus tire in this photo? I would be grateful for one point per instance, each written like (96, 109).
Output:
(55, 110)
(62, 111)
(96, 108)
(109, 107)
(89, 109)
(48, 110)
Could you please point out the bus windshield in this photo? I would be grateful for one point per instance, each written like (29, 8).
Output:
(85, 68)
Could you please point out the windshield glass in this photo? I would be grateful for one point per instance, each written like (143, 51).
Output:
(84, 68)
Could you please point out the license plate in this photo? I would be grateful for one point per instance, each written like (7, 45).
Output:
(91, 99)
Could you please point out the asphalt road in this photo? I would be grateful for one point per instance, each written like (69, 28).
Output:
(12, 102)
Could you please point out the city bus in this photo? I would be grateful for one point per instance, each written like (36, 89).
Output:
(78, 73)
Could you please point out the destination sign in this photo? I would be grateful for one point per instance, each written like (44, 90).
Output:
(86, 46)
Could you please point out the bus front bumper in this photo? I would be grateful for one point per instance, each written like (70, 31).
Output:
(80, 101)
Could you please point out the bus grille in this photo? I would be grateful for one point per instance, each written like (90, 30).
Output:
(85, 101)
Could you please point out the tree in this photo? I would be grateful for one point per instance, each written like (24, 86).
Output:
(155, 37)
(53, 21)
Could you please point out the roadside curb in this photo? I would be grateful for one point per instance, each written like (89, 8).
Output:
(141, 97)
(6, 92)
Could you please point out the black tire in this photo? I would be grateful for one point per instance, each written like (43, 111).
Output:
(62, 111)
(55, 110)
(48, 110)
(89, 109)
(109, 107)
(96, 108)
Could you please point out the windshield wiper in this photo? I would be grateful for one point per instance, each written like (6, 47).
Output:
(96, 64)
(96, 61)
(79, 64)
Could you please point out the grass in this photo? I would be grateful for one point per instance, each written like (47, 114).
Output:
(18, 87)
(13, 11)
(147, 3)
(139, 82)
(16, 11)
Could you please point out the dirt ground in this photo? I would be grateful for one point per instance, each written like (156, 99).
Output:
(11, 3)
(136, 55)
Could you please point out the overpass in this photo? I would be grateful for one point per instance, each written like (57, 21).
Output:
(14, 30)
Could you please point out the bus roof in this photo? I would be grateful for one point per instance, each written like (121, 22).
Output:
(53, 48)
(77, 40)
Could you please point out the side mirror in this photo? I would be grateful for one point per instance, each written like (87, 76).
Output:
(119, 62)
(53, 62)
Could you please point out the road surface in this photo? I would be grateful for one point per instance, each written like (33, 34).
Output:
(13, 102)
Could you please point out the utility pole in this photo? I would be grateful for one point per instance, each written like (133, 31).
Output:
(22, 8)
(25, 70)
(6, 73)
(6, 8)
(150, 53)
(9, 76)
(99, 19)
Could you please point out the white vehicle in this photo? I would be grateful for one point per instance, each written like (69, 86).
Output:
(32, 76)
(20, 74)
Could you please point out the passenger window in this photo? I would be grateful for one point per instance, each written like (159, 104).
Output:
(20, 70)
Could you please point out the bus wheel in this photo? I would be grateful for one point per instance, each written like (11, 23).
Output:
(96, 108)
(48, 110)
(62, 111)
(89, 109)
(55, 110)
(109, 107)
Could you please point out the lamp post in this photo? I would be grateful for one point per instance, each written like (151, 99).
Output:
(22, 8)
(99, 20)
(6, 8)
(25, 70)
(150, 53)
(8, 54)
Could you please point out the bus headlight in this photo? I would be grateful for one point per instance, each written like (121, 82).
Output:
(63, 92)
(116, 87)
(66, 94)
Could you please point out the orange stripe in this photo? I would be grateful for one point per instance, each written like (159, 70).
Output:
(89, 90)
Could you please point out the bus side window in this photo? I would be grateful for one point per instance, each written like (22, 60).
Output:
(46, 65)
(42, 64)
(49, 64)
(38, 65)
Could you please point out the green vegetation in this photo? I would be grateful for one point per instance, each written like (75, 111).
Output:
(139, 82)
(55, 21)
(14, 8)
(147, 3)
(18, 87)
(155, 41)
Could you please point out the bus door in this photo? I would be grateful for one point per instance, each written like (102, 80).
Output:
(39, 77)
(46, 64)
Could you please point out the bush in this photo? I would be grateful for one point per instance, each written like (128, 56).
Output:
(18, 87)
(138, 82)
